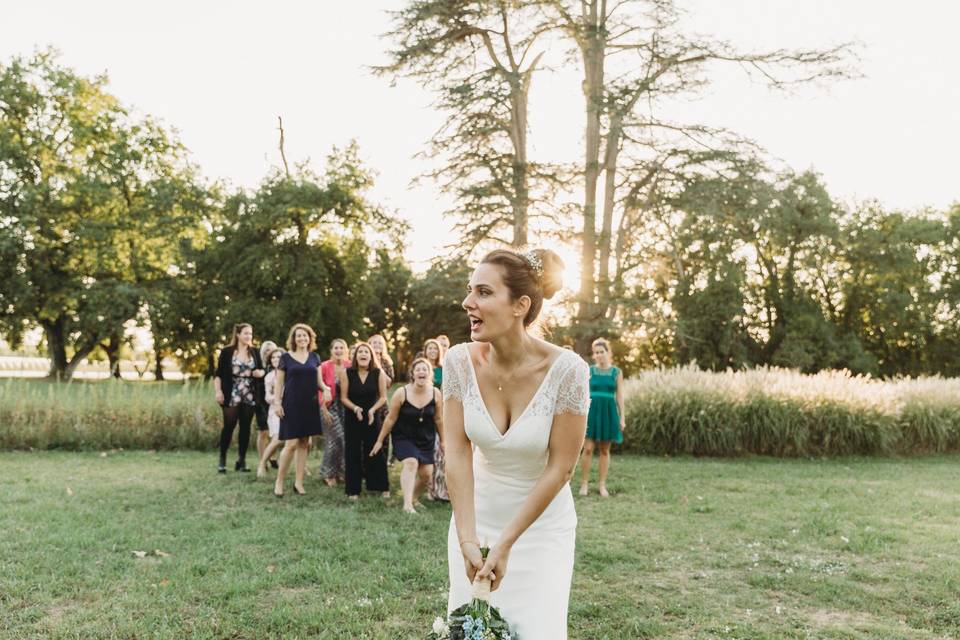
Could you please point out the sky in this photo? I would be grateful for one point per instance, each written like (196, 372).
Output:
(221, 72)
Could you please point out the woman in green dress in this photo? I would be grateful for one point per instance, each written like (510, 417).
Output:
(606, 420)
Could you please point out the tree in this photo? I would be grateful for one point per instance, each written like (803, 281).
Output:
(80, 225)
(292, 251)
(388, 305)
(480, 57)
(886, 286)
(664, 61)
(435, 304)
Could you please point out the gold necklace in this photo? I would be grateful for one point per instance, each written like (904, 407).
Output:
(517, 366)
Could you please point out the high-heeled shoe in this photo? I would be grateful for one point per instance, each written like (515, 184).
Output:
(297, 490)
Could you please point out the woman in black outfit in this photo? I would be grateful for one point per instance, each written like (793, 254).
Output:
(415, 419)
(238, 388)
(363, 390)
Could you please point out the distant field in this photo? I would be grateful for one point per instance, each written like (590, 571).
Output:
(761, 549)
(26, 367)
(677, 411)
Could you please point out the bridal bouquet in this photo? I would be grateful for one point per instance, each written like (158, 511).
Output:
(476, 620)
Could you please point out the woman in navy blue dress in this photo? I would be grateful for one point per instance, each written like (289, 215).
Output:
(298, 403)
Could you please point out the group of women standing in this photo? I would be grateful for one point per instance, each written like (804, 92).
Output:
(295, 396)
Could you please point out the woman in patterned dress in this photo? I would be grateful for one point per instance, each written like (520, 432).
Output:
(238, 389)
(331, 469)
(433, 352)
(379, 344)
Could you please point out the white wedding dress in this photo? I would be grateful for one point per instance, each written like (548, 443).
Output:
(534, 594)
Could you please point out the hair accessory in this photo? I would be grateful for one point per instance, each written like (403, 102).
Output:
(534, 261)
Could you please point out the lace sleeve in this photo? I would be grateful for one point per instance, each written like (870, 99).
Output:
(454, 376)
(573, 395)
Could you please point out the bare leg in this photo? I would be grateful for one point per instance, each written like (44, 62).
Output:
(604, 468)
(263, 439)
(306, 454)
(289, 447)
(424, 474)
(301, 459)
(265, 456)
(408, 478)
(586, 459)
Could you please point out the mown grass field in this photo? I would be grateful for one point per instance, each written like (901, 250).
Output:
(687, 548)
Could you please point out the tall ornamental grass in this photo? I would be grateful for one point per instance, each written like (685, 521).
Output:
(780, 412)
(107, 415)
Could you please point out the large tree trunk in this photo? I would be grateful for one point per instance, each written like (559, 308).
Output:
(211, 367)
(112, 348)
(62, 369)
(520, 177)
(610, 160)
(56, 349)
(592, 49)
(158, 364)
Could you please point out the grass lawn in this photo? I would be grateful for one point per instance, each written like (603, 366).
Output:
(762, 548)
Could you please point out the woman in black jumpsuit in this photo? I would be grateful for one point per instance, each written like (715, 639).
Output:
(363, 390)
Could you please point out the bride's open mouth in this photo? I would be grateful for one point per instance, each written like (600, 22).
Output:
(475, 323)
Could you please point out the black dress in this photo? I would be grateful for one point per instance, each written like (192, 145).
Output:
(415, 433)
(360, 436)
(301, 406)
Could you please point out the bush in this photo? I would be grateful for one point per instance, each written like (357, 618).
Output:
(781, 412)
(107, 415)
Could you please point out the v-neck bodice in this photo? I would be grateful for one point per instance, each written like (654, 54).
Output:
(476, 382)
(520, 452)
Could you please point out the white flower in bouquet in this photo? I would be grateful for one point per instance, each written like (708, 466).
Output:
(440, 628)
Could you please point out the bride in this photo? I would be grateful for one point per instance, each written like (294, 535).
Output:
(515, 411)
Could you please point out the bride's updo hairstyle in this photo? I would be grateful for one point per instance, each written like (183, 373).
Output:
(537, 274)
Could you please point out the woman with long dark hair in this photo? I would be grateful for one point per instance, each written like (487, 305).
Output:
(238, 389)
(363, 390)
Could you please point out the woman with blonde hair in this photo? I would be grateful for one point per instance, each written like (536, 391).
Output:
(433, 353)
(606, 420)
(331, 469)
(379, 344)
(263, 410)
(273, 420)
(298, 403)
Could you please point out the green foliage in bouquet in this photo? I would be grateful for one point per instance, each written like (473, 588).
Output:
(476, 620)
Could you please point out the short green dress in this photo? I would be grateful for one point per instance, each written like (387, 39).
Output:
(603, 421)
